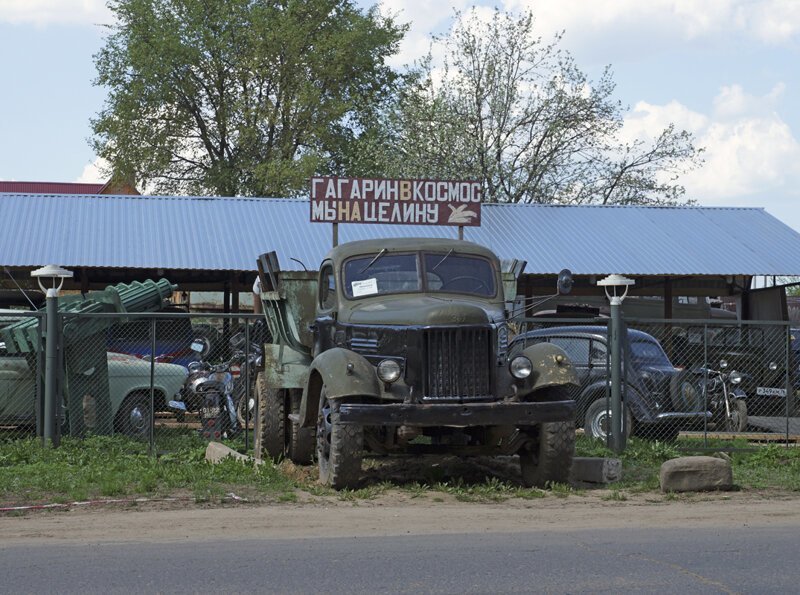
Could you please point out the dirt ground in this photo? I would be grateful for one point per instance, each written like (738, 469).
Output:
(395, 513)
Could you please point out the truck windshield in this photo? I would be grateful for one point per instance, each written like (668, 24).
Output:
(459, 273)
(445, 272)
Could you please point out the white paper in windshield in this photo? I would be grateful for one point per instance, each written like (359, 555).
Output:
(365, 287)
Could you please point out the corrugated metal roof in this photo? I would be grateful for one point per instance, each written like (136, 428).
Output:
(228, 233)
(50, 187)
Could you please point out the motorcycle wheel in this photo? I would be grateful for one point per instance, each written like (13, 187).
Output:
(737, 421)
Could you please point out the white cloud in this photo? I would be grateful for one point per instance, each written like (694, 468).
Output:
(732, 101)
(752, 157)
(658, 22)
(46, 12)
(770, 21)
(93, 172)
(425, 18)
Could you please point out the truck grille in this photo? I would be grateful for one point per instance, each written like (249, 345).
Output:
(459, 363)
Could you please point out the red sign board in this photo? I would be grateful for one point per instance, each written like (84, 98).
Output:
(403, 202)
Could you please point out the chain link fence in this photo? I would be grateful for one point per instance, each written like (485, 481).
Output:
(716, 384)
(21, 376)
(162, 378)
(168, 377)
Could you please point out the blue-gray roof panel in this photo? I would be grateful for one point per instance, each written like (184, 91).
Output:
(201, 233)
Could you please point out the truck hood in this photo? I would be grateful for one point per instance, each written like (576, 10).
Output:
(422, 310)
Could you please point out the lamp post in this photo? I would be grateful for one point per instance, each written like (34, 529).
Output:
(616, 283)
(56, 275)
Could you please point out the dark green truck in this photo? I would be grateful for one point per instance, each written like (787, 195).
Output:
(401, 346)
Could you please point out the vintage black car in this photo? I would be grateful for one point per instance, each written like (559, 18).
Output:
(653, 401)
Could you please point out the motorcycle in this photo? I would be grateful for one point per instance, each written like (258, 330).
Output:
(725, 398)
(243, 367)
(218, 392)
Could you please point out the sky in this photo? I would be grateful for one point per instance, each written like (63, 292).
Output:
(728, 71)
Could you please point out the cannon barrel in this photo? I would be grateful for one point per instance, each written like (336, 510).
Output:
(139, 296)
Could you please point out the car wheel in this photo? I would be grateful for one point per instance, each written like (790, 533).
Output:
(339, 446)
(271, 434)
(549, 459)
(134, 417)
(597, 420)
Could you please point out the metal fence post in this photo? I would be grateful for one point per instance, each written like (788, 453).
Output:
(50, 371)
(617, 430)
(152, 420)
(787, 376)
(246, 395)
(704, 392)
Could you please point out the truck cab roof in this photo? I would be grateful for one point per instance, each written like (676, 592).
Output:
(360, 247)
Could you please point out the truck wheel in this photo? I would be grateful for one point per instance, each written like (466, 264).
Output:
(597, 421)
(551, 460)
(301, 444)
(302, 441)
(271, 435)
(339, 447)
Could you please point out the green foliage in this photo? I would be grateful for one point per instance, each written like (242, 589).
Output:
(242, 97)
(515, 112)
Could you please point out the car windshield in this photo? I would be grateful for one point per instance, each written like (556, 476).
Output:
(649, 352)
(446, 272)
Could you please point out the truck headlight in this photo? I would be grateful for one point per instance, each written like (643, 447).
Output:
(773, 366)
(520, 367)
(735, 377)
(388, 371)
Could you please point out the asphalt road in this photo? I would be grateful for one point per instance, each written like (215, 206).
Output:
(702, 560)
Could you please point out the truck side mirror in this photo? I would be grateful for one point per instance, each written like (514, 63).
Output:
(565, 281)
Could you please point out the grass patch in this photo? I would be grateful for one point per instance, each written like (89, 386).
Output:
(754, 467)
(117, 467)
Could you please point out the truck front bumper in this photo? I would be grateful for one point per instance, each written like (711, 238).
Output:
(456, 414)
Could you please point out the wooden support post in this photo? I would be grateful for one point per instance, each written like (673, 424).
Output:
(667, 338)
(335, 235)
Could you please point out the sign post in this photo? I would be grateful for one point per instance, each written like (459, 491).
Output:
(398, 202)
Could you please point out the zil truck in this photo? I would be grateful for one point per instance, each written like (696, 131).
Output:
(401, 346)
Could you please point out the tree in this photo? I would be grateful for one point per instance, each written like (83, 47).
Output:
(516, 113)
(241, 97)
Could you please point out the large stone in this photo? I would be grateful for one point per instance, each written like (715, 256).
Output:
(696, 474)
(216, 452)
(595, 470)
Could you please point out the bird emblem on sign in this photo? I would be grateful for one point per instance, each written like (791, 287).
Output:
(460, 215)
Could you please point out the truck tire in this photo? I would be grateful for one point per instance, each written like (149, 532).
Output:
(339, 447)
(302, 441)
(550, 460)
(271, 435)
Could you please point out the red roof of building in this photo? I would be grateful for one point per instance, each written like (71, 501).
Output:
(50, 187)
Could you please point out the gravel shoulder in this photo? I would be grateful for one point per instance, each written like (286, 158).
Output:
(396, 513)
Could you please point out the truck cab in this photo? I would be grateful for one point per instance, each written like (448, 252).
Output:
(407, 352)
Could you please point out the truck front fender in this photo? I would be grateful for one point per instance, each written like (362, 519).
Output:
(551, 367)
(343, 373)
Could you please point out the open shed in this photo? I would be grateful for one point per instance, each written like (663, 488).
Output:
(211, 244)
